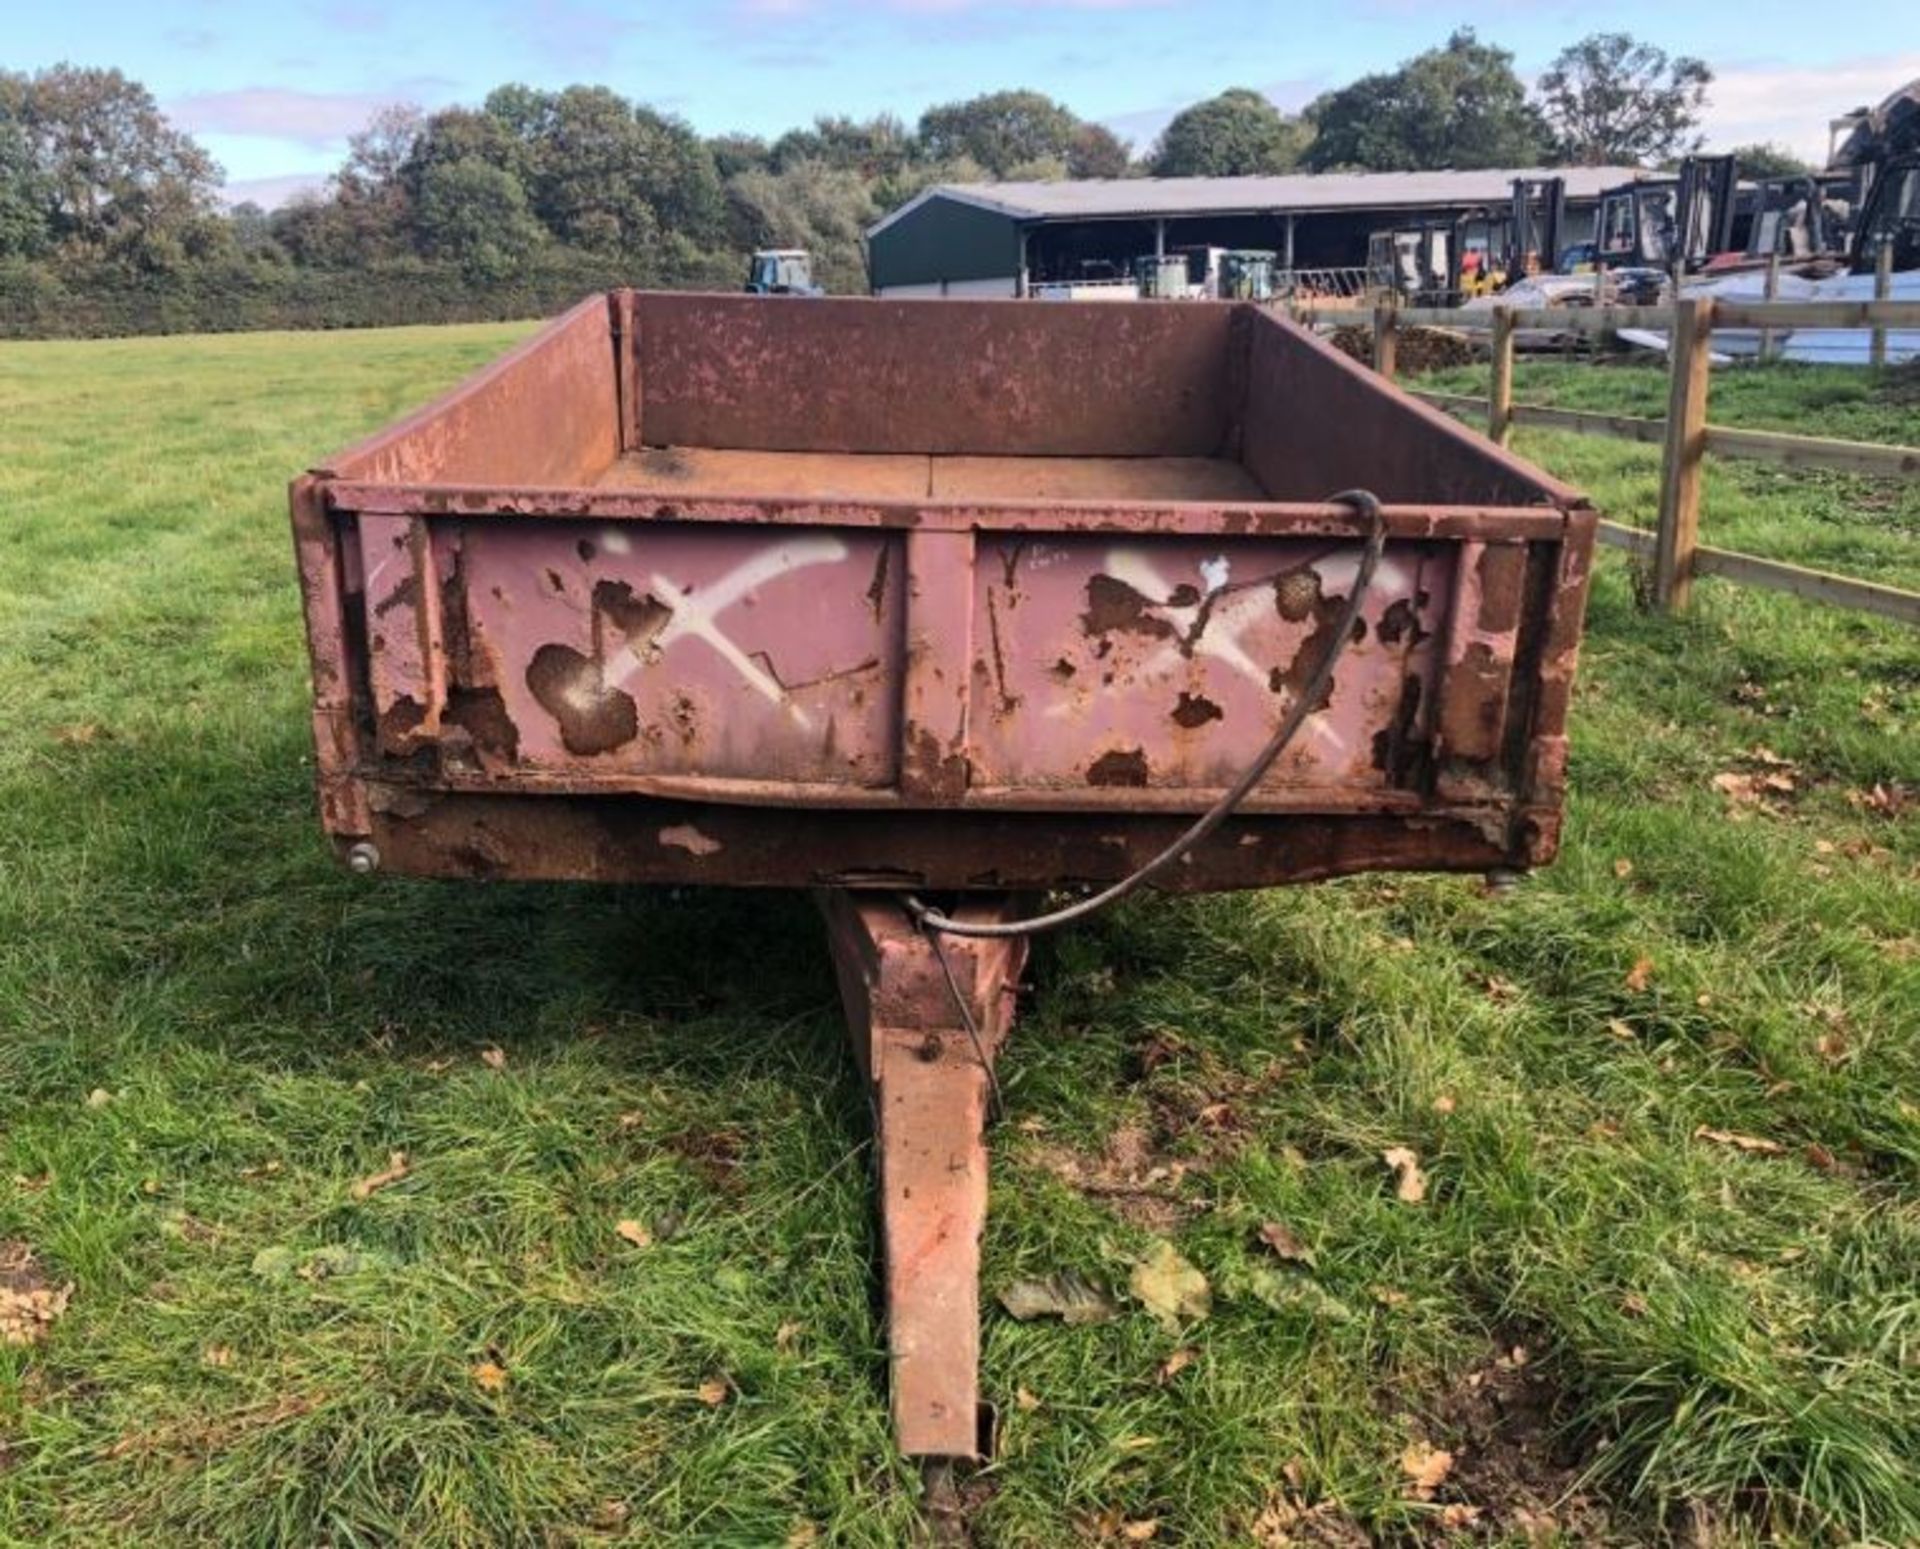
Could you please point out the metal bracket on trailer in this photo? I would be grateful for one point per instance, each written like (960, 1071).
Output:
(930, 1078)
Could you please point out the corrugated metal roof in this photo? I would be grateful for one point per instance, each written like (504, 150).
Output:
(1120, 198)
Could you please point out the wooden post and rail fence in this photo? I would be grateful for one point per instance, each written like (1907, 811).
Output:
(1684, 435)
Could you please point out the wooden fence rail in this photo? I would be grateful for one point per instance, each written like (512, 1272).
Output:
(1683, 434)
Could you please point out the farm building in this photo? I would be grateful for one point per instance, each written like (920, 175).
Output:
(1006, 239)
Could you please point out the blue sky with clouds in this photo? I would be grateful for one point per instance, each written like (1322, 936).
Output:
(273, 91)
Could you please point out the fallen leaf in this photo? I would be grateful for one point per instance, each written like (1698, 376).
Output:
(784, 1336)
(393, 1172)
(1068, 1296)
(1819, 1156)
(1634, 1305)
(632, 1231)
(1284, 1244)
(1501, 989)
(611, 1514)
(1410, 1187)
(29, 1306)
(1141, 1531)
(1752, 1143)
(1170, 1288)
(33, 1185)
(1426, 1468)
(1025, 1401)
(494, 1057)
(99, 1097)
(712, 1392)
(76, 735)
(1623, 868)
(263, 1170)
(1443, 1104)
(1387, 1296)
(1640, 975)
(1175, 1364)
(633, 1118)
(1286, 1292)
(217, 1355)
(490, 1377)
(1621, 1030)
(803, 1536)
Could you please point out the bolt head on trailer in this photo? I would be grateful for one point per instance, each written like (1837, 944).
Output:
(975, 599)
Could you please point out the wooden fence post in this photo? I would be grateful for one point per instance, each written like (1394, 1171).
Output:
(1689, 350)
(1384, 342)
(1882, 289)
(1771, 293)
(1500, 392)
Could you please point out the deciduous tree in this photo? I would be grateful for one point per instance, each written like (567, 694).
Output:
(1612, 98)
(1234, 134)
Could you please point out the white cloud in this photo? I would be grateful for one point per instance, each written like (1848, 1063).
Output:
(272, 192)
(1791, 104)
(315, 119)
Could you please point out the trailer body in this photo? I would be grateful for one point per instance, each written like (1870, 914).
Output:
(969, 595)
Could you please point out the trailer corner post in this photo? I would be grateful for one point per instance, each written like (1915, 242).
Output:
(1500, 390)
(1678, 534)
(1882, 291)
(1384, 339)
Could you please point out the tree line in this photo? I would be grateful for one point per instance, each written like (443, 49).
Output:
(110, 219)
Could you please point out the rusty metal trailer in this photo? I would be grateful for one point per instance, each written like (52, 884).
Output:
(947, 601)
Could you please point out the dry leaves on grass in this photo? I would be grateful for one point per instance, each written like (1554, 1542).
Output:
(632, 1231)
(1410, 1183)
(490, 1377)
(29, 1305)
(1749, 1143)
(1426, 1468)
(1068, 1296)
(713, 1392)
(373, 1183)
(1284, 1244)
(494, 1057)
(1640, 975)
(1175, 1364)
(1887, 801)
(1623, 868)
(1761, 786)
(1170, 1288)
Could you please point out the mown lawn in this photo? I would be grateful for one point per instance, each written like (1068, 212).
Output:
(1664, 1280)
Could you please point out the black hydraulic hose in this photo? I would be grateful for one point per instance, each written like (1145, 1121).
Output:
(1367, 506)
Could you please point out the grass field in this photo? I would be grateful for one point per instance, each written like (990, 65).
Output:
(1664, 1281)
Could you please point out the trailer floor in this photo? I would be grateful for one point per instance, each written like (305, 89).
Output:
(915, 476)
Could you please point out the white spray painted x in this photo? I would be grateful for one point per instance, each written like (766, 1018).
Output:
(694, 613)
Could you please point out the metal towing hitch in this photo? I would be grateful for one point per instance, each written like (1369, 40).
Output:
(925, 1032)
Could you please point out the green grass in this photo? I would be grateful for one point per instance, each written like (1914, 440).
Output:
(1869, 528)
(1716, 1341)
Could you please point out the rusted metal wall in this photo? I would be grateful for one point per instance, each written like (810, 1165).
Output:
(1315, 423)
(545, 413)
(1005, 378)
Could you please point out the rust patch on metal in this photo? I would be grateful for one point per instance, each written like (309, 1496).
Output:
(1292, 678)
(593, 716)
(1121, 766)
(405, 595)
(638, 618)
(1113, 607)
(1474, 705)
(877, 588)
(482, 714)
(1400, 622)
(1193, 710)
(1295, 593)
(942, 775)
(1502, 588)
(1398, 751)
(1061, 671)
(585, 549)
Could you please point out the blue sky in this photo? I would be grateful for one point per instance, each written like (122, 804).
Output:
(274, 91)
